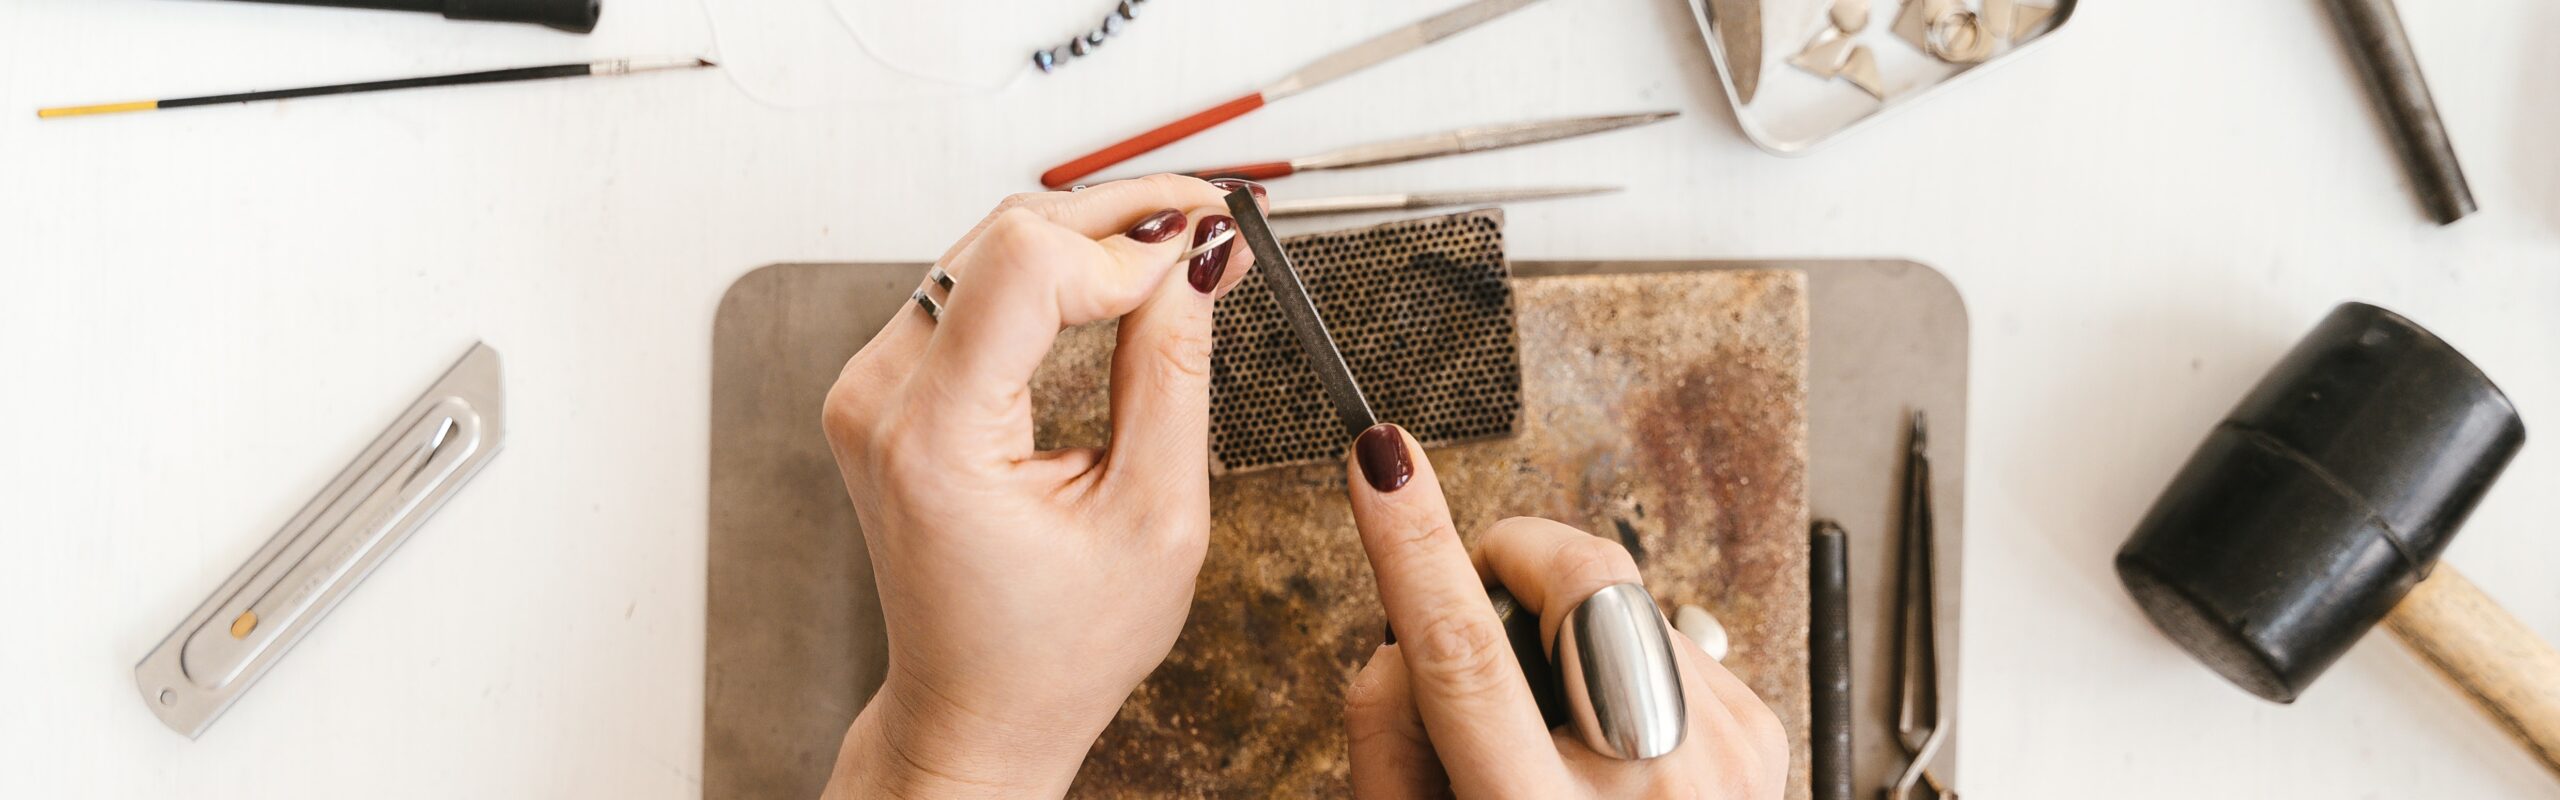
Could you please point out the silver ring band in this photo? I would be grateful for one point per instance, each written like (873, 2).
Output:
(924, 298)
(1621, 682)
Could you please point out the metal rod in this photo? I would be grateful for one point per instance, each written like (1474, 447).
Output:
(1834, 767)
(2380, 48)
(1920, 722)
(1299, 308)
(1349, 204)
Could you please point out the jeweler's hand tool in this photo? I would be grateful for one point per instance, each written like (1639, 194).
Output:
(274, 600)
(1348, 204)
(615, 66)
(1611, 673)
(1447, 143)
(574, 16)
(2390, 67)
(1834, 764)
(1353, 59)
(1921, 722)
(2320, 506)
(1299, 308)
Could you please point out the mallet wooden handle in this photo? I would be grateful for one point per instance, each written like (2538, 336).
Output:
(2507, 670)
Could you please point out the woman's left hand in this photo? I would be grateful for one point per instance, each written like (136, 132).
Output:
(1027, 593)
(1446, 710)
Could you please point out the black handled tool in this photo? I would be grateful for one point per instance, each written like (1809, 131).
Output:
(1834, 772)
(616, 66)
(574, 16)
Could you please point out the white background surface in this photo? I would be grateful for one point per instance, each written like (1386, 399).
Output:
(204, 313)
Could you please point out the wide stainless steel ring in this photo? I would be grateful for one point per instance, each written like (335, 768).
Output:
(1621, 682)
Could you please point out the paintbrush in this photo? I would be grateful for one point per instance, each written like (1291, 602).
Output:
(617, 66)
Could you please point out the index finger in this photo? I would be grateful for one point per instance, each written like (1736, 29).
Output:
(1475, 703)
(1105, 209)
(1018, 285)
(1095, 213)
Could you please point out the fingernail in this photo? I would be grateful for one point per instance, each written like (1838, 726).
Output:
(1207, 268)
(1383, 459)
(1261, 196)
(1158, 226)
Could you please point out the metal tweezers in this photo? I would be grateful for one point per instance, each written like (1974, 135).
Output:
(1920, 725)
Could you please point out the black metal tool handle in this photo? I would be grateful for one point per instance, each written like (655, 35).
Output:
(1833, 769)
(2380, 48)
(1521, 627)
(574, 16)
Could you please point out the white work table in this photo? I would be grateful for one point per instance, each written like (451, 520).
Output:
(205, 313)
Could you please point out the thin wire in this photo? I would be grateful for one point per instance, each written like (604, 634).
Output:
(874, 53)
(862, 44)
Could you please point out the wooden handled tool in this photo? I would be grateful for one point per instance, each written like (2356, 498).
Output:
(2513, 675)
(2320, 506)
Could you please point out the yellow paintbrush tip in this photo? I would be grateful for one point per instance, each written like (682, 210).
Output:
(104, 108)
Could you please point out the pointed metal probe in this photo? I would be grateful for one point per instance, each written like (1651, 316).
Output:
(1348, 204)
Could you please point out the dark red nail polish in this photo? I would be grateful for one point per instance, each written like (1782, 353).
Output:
(1158, 226)
(1207, 268)
(1383, 459)
(1260, 195)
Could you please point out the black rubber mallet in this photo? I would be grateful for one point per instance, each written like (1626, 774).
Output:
(2319, 506)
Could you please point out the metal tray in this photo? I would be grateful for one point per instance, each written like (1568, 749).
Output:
(1793, 109)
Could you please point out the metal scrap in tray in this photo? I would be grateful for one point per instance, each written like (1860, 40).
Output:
(1800, 72)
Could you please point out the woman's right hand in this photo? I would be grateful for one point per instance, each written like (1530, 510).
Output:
(1445, 710)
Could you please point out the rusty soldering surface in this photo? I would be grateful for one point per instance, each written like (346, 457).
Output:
(1668, 407)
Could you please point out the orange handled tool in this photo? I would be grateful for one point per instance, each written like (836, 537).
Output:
(1060, 176)
(1325, 70)
(1262, 171)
